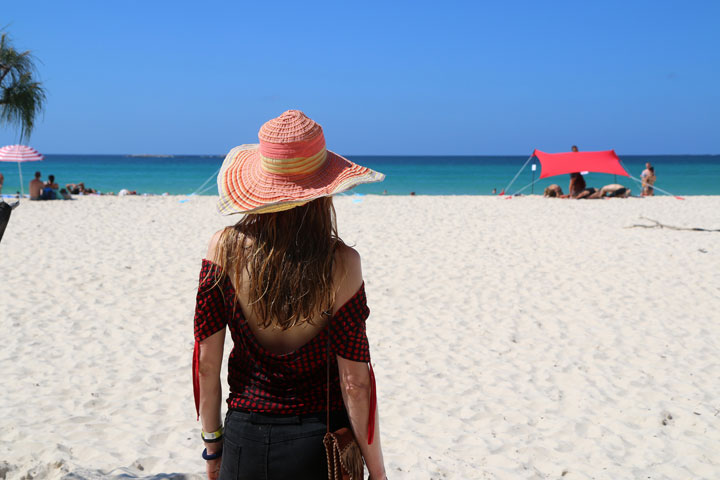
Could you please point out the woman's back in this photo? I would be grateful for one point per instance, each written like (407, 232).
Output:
(346, 280)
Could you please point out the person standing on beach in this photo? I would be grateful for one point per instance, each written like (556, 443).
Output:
(36, 187)
(293, 297)
(574, 148)
(649, 181)
(2, 180)
(644, 176)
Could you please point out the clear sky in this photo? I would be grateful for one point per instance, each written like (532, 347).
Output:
(390, 77)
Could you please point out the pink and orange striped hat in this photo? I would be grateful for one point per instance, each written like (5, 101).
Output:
(289, 168)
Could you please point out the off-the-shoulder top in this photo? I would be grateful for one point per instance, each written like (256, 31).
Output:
(261, 381)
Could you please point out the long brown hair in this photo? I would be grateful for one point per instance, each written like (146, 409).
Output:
(287, 257)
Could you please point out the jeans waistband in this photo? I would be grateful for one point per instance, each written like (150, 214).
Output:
(258, 418)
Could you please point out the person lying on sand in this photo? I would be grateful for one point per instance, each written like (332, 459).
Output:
(614, 190)
(78, 188)
(554, 190)
(75, 188)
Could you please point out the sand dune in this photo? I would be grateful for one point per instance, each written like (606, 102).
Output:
(527, 338)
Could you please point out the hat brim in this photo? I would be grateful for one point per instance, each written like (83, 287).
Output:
(245, 187)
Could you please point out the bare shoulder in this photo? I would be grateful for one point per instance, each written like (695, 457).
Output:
(348, 275)
(349, 259)
(213, 245)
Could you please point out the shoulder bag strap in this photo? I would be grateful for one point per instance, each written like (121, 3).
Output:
(328, 314)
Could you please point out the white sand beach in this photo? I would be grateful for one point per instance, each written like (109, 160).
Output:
(522, 338)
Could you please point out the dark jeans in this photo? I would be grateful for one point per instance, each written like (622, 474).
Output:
(260, 446)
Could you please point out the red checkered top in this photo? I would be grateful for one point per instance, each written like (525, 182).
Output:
(261, 381)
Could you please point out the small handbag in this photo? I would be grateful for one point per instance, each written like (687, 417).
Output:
(344, 459)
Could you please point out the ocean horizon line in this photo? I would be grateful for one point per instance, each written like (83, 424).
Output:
(422, 174)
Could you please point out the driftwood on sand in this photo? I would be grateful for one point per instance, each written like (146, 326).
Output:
(662, 225)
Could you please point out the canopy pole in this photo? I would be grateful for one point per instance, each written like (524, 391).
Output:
(214, 175)
(199, 190)
(518, 173)
(526, 186)
(22, 191)
(532, 190)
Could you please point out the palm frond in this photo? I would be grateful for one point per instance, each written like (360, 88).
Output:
(21, 96)
(20, 103)
(14, 64)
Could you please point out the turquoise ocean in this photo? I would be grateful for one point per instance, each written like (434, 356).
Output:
(424, 175)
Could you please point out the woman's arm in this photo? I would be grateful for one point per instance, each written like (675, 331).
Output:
(211, 351)
(356, 390)
(355, 383)
(209, 365)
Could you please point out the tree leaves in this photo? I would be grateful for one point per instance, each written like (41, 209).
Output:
(22, 97)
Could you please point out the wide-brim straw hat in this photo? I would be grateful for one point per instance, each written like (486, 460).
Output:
(289, 167)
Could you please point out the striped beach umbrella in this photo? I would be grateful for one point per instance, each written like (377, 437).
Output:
(19, 154)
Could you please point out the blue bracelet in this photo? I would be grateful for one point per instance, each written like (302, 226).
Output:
(211, 456)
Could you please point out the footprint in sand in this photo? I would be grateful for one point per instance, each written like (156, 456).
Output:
(667, 418)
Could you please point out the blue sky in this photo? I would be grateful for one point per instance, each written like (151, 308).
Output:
(393, 77)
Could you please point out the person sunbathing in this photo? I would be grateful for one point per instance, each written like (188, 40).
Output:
(78, 188)
(75, 188)
(577, 188)
(614, 190)
(553, 191)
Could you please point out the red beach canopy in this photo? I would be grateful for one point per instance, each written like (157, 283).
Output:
(563, 163)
